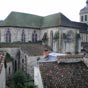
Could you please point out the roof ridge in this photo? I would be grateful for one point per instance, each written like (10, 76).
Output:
(53, 14)
(24, 13)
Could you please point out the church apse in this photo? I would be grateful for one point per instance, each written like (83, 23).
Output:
(68, 42)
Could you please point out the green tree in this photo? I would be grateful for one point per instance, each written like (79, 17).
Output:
(19, 79)
(31, 86)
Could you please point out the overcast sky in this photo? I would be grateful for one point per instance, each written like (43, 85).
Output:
(70, 8)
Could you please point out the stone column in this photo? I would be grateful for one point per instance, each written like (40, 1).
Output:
(60, 42)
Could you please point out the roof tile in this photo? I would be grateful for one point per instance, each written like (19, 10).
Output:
(64, 75)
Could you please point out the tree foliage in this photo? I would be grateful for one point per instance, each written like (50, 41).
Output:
(31, 86)
(8, 57)
(45, 37)
(22, 81)
(19, 79)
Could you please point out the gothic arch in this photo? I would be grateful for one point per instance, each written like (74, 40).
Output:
(51, 39)
(34, 36)
(71, 32)
(8, 36)
(70, 36)
(23, 36)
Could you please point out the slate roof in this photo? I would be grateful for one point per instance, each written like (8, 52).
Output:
(17, 19)
(64, 75)
(55, 20)
(84, 10)
(1, 22)
(22, 20)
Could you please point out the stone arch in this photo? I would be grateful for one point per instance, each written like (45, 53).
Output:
(8, 36)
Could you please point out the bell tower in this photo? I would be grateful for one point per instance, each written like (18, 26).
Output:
(84, 14)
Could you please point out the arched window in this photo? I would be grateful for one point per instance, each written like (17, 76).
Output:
(81, 18)
(8, 36)
(45, 37)
(34, 36)
(23, 36)
(51, 39)
(70, 36)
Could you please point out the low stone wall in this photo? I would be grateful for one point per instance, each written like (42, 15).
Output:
(31, 62)
(85, 61)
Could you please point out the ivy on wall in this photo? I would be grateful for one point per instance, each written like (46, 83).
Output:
(45, 37)
(8, 57)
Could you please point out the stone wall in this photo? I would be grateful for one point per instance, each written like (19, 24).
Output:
(3, 77)
(16, 34)
(31, 62)
(62, 46)
(28, 62)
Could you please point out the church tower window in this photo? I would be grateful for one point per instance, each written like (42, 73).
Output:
(23, 36)
(85, 17)
(8, 36)
(81, 18)
(34, 36)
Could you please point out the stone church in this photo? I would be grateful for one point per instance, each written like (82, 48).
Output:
(59, 32)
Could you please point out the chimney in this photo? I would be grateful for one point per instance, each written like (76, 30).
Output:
(45, 53)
